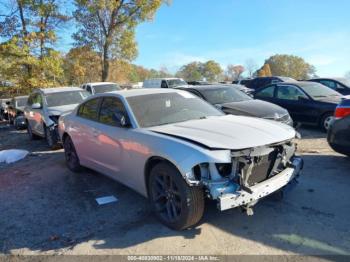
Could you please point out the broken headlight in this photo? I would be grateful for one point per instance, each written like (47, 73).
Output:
(224, 169)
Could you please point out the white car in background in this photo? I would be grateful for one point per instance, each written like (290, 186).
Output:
(45, 106)
(100, 87)
(164, 83)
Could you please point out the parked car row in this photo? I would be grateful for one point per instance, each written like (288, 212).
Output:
(179, 144)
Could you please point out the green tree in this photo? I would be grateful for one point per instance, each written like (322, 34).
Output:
(191, 71)
(211, 70)
(29, 33)
(81, 64)
(291, 66)
(109, 27)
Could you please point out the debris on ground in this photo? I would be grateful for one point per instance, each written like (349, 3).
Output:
(106, 200)
(12, 155)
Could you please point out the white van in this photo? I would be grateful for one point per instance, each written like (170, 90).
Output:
(164, 83)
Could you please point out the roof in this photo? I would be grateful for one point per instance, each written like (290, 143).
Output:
(59, 89)
(164, 78)
(211, 86)
(142, 91)
(20, 97)
(99, 83)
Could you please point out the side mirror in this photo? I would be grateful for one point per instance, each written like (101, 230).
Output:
(121, 119)
(36, 106)
(302, 98)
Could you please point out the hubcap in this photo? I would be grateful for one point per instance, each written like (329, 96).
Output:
(167, 197)
(327, 122)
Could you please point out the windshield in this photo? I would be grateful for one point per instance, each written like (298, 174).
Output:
(66, 98)
(106, 88)
(176, 82)
(166, 108)
(22, 101)
(316, 90)
(223, 95)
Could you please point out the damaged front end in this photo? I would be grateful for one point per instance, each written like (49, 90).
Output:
(251, 175)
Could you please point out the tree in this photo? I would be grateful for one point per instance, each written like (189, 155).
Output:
(211, 70)
(250, 67)
(191, 71)
(109, 27)
(29, 32)
(291, 66)
(265, 70)
(81, 64)
(233, 72)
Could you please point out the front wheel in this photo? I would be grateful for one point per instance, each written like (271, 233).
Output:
(51, 139)
(175, 203)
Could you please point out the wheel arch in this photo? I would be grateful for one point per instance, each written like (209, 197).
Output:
(150, 164)
(323, 115)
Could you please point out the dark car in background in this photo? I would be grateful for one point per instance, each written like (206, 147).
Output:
(232, 101)
(259, 82)
(339, 132)
(16, 111)
(306, 102)
(339, 84)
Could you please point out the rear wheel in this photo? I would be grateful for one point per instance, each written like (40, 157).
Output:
(72, 159)
(326, 121)
(176, 204)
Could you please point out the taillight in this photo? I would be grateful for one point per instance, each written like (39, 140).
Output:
(341, 112)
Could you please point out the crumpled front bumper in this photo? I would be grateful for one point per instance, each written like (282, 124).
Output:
(265, 188)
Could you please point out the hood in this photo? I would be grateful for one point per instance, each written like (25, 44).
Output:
(59, 110)
(257, 108)
(229, 132)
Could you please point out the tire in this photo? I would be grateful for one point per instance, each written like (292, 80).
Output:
(30, 133)
(325, 121)
(176, 204)
(72, 159)
(50, 139)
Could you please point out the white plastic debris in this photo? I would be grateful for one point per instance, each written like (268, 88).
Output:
(106, 200)
(12, 155)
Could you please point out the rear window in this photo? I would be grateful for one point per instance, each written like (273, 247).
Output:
(106, 88)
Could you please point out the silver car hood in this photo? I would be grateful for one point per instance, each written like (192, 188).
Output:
(59, 110)
(229, 132)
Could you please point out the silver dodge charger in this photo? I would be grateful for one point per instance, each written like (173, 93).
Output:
(176, 149)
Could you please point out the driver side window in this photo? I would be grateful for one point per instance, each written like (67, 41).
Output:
(112, 110)
(290, 93)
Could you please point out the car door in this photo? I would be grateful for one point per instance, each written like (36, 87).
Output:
(299, 105)
(84, 132)
(115, 149)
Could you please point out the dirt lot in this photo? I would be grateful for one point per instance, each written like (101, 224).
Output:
(46, 209)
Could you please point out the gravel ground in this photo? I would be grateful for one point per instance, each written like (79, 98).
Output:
(46, 209)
